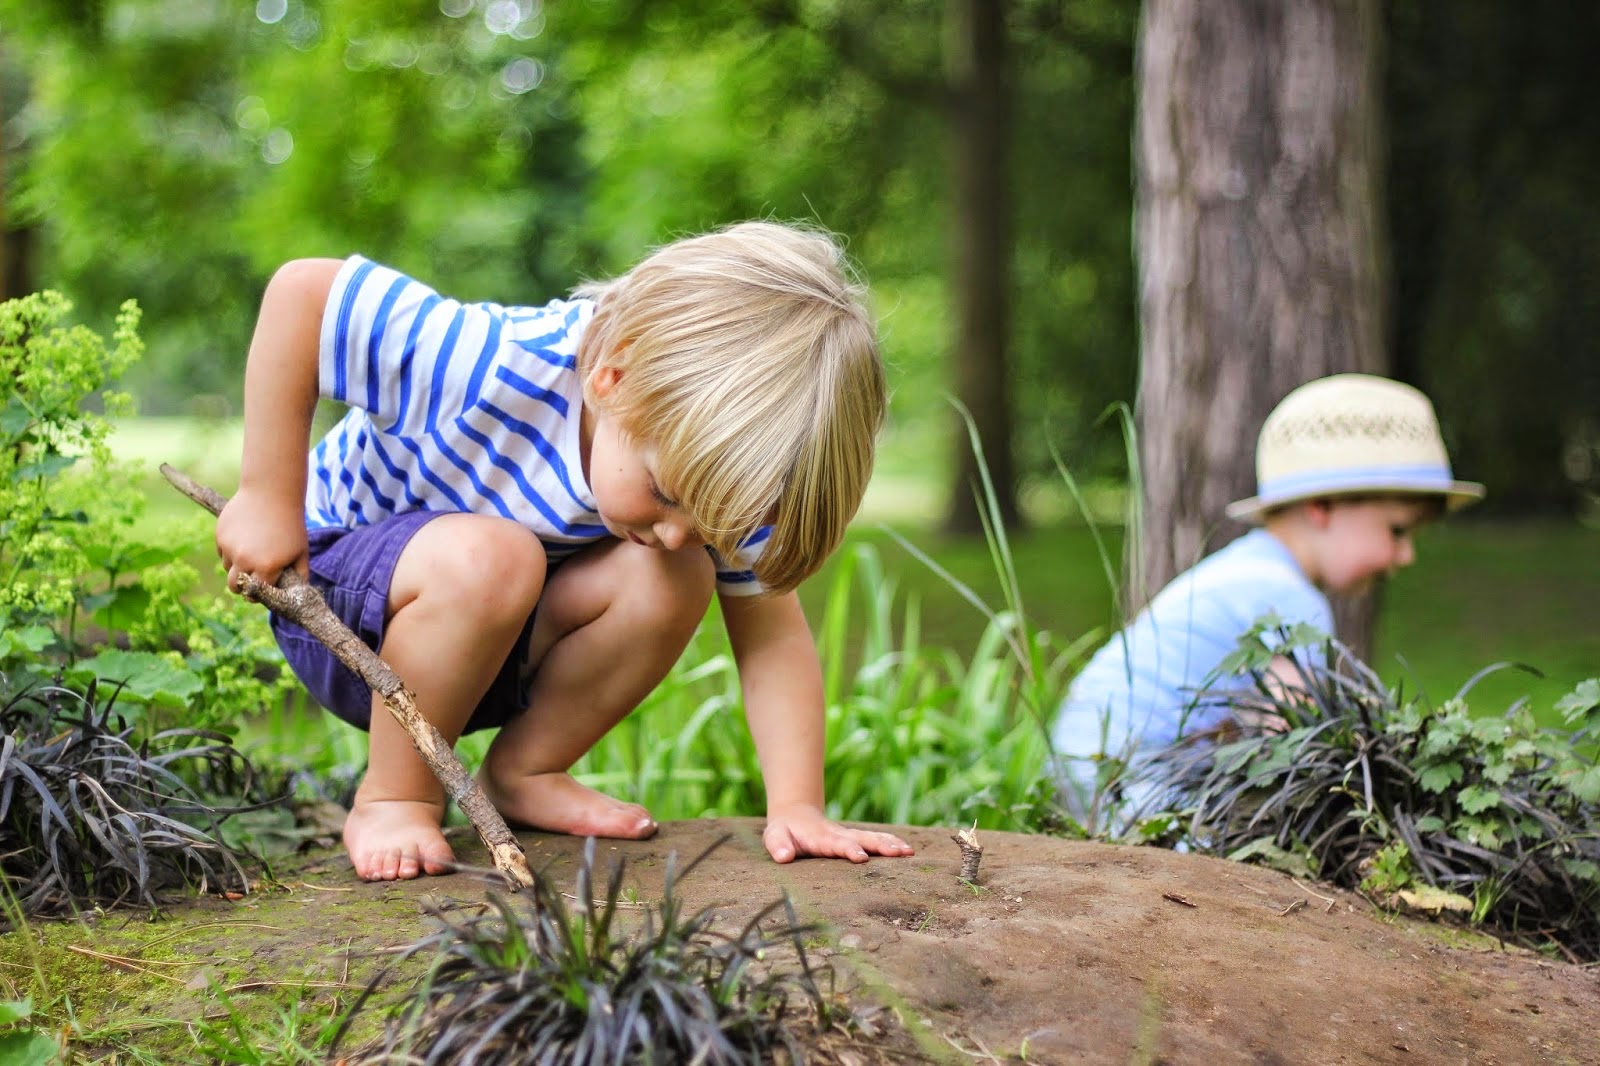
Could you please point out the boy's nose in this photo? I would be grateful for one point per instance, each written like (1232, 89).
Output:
(1407, 553)
(673, 535)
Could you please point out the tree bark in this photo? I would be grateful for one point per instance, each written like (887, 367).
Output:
(980, 120)
(1261, 245)
(16, 241)
(294, 599)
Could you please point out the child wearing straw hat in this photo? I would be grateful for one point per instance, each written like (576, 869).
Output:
(1347, 468)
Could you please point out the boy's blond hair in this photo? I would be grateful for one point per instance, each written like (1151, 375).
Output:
(749, 362)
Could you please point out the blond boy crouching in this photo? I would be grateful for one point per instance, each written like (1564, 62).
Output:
(527, 510)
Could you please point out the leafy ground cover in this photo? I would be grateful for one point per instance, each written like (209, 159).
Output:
(532, 978)
(1065, 952)
(90, 814)
(1409, 800)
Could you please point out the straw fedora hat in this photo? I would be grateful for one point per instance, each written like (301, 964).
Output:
(1351, 434)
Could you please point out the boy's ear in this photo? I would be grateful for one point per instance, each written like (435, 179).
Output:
(1317, 511)
(604, 379)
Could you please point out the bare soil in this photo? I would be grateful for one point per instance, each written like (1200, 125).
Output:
(1067, 952)
(1074, 952)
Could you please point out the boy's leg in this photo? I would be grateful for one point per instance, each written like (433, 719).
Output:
(611, 623)
(461, 593)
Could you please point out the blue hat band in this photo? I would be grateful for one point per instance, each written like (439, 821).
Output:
(1421, 477)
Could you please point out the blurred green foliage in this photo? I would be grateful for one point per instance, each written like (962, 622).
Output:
(84, 595)
(1494, 143)
(176, 151)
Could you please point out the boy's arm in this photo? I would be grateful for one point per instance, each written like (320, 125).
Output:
(782, 685)
(262, 529)
(1286, 684)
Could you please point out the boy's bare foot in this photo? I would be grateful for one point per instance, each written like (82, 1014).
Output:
(390, 840)
(559, 804)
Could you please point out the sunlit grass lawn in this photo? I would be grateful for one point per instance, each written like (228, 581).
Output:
(1479, 593)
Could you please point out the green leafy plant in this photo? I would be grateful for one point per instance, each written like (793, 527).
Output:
(298, 1033)
(1369, 787)
(1389, 870)
(535, 980)
(20, 1043)
(82, 596)
(1031, 666)
(89, 815)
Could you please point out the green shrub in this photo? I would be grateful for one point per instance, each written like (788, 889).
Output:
(81, 596)
(20, 1043)
(1372, 789)
(537, 981)
(89, 815)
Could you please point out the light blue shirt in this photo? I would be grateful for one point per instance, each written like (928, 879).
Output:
(1135, 694)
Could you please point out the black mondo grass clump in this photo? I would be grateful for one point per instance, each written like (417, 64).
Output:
(535, 979)
(93, 815)
(1491, 819)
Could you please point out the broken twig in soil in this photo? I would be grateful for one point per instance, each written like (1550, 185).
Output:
(293, 598)
(971, 853)
(1329, 900)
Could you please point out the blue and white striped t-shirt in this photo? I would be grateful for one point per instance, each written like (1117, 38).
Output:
(459, 407)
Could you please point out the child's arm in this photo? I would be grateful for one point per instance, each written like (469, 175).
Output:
(782, 684)
(262, 529)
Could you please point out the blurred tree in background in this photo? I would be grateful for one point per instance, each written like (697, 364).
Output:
(1261, 248)
(16, 237)
(1495, 145)
(176, 151)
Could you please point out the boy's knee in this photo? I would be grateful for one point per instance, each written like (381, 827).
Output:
(692, 576)
(491, 567)
(672, 590)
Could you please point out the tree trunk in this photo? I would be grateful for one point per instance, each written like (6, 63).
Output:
(980, 112)
(16, 241)
(1262, 252)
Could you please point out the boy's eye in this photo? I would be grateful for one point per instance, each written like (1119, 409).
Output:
(660, 497)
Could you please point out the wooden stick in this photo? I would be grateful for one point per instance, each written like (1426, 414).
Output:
(971, 853)
(295, 599)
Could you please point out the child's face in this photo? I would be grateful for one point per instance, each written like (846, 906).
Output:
(1365, 539)
(632, 503)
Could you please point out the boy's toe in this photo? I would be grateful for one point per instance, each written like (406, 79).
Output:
(369, 867)
(382, 865)
(439, 860)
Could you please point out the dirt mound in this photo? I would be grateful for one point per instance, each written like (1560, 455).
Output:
(1074, 952)
(1067, 952)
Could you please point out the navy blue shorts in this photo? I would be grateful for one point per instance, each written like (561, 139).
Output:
(352, 568)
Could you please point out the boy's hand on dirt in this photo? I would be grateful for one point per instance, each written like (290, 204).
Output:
(261, 534)
(799, 831)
